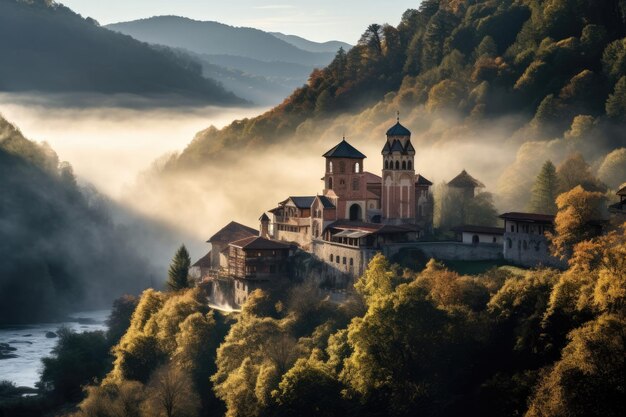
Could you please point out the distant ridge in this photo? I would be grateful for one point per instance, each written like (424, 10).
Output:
(307, 45)
(46, 47)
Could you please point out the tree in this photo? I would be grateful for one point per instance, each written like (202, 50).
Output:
(544, 191)
(616, 103)
(171, 393)
(178, 273)
(119, 319)
(574, 171)
(577, 209)
(613, 168)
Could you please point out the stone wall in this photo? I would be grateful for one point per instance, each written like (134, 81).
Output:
(529, 249)
(450, 251)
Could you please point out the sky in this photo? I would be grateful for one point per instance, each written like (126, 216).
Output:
(319, 20)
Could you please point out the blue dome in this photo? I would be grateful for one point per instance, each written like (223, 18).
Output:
(398, 130)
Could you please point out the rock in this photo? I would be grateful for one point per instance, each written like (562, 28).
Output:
(27, 335)
(7, 355)
(51, 335)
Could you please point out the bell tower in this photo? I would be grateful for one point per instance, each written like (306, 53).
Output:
(398, 175)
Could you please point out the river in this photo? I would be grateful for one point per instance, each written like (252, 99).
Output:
(31, 344)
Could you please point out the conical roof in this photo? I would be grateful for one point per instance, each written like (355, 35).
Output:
(465, 180)
(344, 150)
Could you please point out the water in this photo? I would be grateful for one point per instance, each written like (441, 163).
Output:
(32, 344)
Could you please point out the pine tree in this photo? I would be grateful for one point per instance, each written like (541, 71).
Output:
(544, 190)
(179, 270)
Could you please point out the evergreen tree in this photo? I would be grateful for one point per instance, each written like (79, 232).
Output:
(544, 190)
(179, 270)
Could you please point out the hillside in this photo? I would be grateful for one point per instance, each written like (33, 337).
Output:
(256, 65)
(530, 81)
(311, 46)
(60, 250)
(80, 56)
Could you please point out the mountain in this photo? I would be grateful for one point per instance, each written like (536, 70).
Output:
(61, 250)
(46, 47)
(254, 64)
(307, 45)
(531, 82)
(213, 38)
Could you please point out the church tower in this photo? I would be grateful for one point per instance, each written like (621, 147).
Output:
(344, 181)
(398, 176)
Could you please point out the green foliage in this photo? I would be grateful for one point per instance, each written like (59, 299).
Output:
(178, 272)
(119, 319)
(544, 191)
(615, 104)
(76, 360)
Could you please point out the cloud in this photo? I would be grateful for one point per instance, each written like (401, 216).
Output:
(274, 7)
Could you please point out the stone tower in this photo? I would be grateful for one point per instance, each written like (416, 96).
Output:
(344, 181)
(398, 176)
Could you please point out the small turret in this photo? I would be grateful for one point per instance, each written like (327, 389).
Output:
(265, 226)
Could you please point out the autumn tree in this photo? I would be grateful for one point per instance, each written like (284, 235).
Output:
(575, 171)
(544, 191)
(171, 393)
(613, 168)
(178, 272)
(577, 210)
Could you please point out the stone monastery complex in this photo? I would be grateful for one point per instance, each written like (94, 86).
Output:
(360, 213)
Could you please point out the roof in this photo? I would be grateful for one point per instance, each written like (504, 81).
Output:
(420, 180)
(479, 229)
(377, 228)
(528, 217)
(344, 150)
(204, 262)
(326, 203)
(302, 202)
(620, 206)
(371, 178)
(622, 190)
(264, 218)
(233, 231)
(257, 242)
(398, 130)
(397, 146)
(465, 180)
(386, 148)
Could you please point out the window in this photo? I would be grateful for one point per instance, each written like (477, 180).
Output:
(331, 257)
(357, 167)
(410, 165)
(351, 261)
(494, 239)
(342, 167)
(344, 260)
(397, 165)
(342, 182)
(512, 228)
(330, 183)
(404, 165)
(338, 259)
(386, 164)
(509, 242)
(525, 245)
(355, 184)
(330, 167)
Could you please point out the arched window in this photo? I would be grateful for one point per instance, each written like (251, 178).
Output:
(330, 167)
(355, 184)
(357, 167)
(397, 165)
(330, 183)
(351, 261)
(509, 243)
(331, 257)
(386, 164)
(410, 165)
(342, 167)
(344, 260)
(404, 165)
(475, 239)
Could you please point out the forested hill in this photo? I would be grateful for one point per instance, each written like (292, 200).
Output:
(60, 250)
(556, 65)
(47, 47)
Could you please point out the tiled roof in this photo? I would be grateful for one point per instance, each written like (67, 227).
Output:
(257, 242)
(371, 178)
(344, 150)
(233, 231)
(420, 180)
(479, 229)
(377, 228)
(398, 130)
(622, 190)
(302, 202)
(465, 180)
(386, 149)
(326, 201)
(204, 262)
(528, 217)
